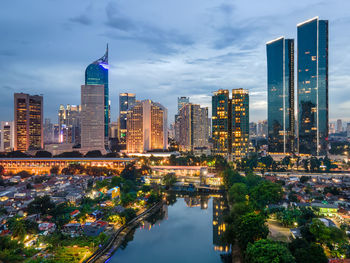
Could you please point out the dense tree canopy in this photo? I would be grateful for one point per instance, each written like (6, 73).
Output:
(267, 251)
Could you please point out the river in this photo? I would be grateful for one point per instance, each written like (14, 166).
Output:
(188, 229)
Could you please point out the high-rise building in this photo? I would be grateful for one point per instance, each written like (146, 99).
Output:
(147, 127)
(28, 113)
(339, 126)
(331, 128)
(126, 102)
(181, 101)
(252, 129)
(313, 86)
(7, 136)
(221, 122)
(280, 90)
(193, 127)
(262, 128)
(348, 130)
(48, 131)
(240, 123)
(92, 117)
(97, 74)
(69, 120)
(230, 123)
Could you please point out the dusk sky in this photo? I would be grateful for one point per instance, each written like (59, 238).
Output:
(159, 49)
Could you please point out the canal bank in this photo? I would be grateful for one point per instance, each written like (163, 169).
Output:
(105, 252)
(188, 229)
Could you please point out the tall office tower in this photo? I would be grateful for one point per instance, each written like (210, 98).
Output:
(348, 130)
(7, 136)
(56, 133)
(280, 90)
(262, 128)
(193, 127)
(252, 129)
(181, 101)
(97, 74)
(126, 102)
(147, 127)
(113, 130)
(92, 117)
(69, 120)
(240, 123)
(331, 127)
(28, 112)
(313, 86)
(221, 122)
(48, 131)
(339, 126)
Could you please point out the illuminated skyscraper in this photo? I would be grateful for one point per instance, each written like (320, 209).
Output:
(92, 117)
(193, 127)
(240, 123)
(181, 101)
(126, 102)
(221, 122)
(28, 113)
(280, 90)
(7, 136)
(313, 86)
(147, 127)
(230, 123)
(97, 74)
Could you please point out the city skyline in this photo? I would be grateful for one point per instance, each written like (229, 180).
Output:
(226, 52)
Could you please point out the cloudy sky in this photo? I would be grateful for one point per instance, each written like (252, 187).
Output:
(159, 49)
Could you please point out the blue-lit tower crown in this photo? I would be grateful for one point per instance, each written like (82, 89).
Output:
(97, 74)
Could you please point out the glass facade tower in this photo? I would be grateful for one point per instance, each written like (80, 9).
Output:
(221, 123)
(280, 90)
(313, 86)
(126, 102)
(97, 74)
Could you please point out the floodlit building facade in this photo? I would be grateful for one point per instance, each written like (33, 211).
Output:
(28, 115)
(221, 122)
(240, 123)
(147, 127)
(280, 90)
(230, 123)
(313, 86)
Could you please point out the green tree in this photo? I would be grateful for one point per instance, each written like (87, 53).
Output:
(304, 179)
(238, 193)
(41, 205)
(169, 180)
(43, 154)
(303, 251)
(17, 227)
(314, 164)
(250, 228)
(129, 214)
(266, 251)
(231, 177)
(129, 172)
(266, 193)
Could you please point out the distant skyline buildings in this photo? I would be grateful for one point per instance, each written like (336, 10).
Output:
(280, 95)
(312, 82)
(28, 122)
(69, 121)
(7, 136)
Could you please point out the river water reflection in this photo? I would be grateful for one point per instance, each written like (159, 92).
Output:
(189, 229)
